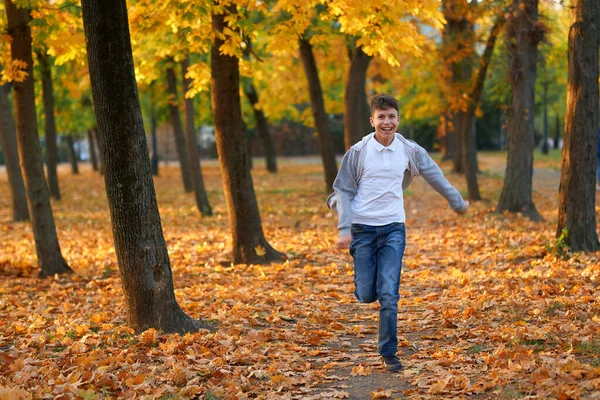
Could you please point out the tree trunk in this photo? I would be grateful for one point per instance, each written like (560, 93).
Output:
(576, 209)
(73, 155)
(523, 37)
(92, 145)
(154, 158)
(50, 125)
(356, 123)
(249, 243)
(467, 133)
(202, 202)
(318, 112)
(262, 127)
(8, 140)
(141, 249)
(556, 132)
(178, 131)
(49, 256)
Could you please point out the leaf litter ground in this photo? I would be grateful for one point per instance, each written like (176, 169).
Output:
(492, 306)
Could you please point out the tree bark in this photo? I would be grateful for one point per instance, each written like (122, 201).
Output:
(262, 127)
(8, 140)
(50, 125)
(577, 196)
(202, 202)
(318, 112)
(249, 243)
(523, 36)
(73, 155)
(467, 134)
(140, 247)
(178, 131)
(49, 256)
(356, 108)
(92, 145)
(154, 157)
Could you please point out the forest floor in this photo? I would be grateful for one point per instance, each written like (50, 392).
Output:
(492, 306)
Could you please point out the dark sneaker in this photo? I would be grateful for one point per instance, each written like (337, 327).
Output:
(392, 363)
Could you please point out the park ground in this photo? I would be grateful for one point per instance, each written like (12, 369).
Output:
(492, 306)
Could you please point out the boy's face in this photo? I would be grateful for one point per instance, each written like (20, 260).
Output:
(385, 123)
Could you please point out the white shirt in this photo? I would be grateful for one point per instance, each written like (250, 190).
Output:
(379, 199)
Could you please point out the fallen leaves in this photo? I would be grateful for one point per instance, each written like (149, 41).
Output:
(485, 308)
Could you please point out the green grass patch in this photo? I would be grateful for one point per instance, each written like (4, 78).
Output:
(478, 348)
(587, 348)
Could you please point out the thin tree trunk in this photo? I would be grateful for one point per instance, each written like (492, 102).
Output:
(49, 256)
(356, 123)
(50, 125)
(262, 127)
(522, 41)
(249, 243)
(73, 155)
(8, 140)
(202, 202)
(92, 145)
(577, 196)
(178, 131)
(154, 158)
(140, 246)
(557, 132)
(468, 140)
(318, 112)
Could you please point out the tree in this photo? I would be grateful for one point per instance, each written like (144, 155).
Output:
(318, 112)
(262, 127)
(249, 244)
(576, 209)
(8, 140)
(356, 107)
(139, 243)
(48, 252)
(92, 146)
(466, 134)
(50, 124)
(524, 33)
(178, 133)
(73, 157)
(202, 202)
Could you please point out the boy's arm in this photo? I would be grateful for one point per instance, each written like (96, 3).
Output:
(345, 187)
(432, 173)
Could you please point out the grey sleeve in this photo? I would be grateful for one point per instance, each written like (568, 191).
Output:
(434, 176)
(344, 187)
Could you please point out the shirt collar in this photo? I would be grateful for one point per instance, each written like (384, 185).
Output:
(379, 147)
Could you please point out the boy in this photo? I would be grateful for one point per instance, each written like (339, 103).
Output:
(370, 205)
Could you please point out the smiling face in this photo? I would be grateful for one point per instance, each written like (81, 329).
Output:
(385, 123)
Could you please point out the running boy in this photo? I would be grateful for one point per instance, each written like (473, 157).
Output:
(370, 205)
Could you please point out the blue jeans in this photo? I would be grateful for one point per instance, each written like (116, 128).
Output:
(377, 253)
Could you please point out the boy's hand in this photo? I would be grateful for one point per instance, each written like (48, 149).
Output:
(343, 242)
(462, 212)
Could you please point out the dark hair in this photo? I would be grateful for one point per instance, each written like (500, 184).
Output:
(383, 102)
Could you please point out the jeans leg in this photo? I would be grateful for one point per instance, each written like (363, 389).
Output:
(362, 249)
(389, 265)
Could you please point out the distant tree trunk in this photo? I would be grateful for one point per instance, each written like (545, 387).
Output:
(49, 256)
(50, 125)
(576, 209)
(202, 202)
(73, 155)
(154, 157)
(141, 249)
(318, 112)
(523, 36)
(262, 127)
(356, 108)
(545, 146)
(178, 130)
(557, 132)
(249, 243)
(92, 145)
(458, 39)
(467, 134)
(8, 140)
